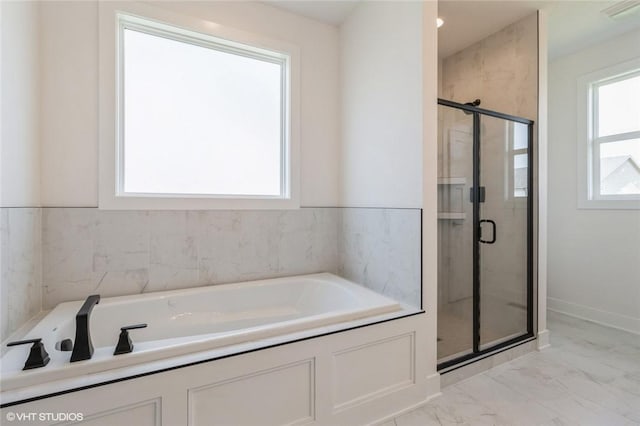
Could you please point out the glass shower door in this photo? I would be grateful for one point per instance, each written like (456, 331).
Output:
(504, 230)
(455, 234)
(485, 231)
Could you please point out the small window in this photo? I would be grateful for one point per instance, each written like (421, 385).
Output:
(614, 145)
(517, 167)
(200, 116)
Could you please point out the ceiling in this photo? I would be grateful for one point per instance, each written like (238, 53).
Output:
(466, 22)
(573, 25)
(327, 11)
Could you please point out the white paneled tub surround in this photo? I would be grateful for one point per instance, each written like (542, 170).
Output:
(186, 321)
(356, 376)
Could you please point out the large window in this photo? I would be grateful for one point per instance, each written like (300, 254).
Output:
(200, 116)
(202, 113)
(613, 136)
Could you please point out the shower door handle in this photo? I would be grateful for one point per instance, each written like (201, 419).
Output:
(493, 225)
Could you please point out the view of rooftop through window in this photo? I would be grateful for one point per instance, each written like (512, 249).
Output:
(617, 134)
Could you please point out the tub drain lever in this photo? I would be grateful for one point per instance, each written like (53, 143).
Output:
(125, 345)
(38, 356)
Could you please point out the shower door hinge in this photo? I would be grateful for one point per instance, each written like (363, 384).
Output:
(472, 194)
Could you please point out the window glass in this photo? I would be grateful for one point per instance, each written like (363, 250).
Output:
(620, 167)
(618, 107)
(520, 175)
(199, 120)
(520, 136)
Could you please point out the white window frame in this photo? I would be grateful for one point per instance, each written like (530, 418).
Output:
(588, 144)
(114, 17)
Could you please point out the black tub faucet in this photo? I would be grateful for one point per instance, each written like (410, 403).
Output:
(82, 345)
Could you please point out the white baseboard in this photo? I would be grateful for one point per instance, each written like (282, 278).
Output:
(403, 411)
(598, 316)
(543, 340)
(433, 391)
(433, 386)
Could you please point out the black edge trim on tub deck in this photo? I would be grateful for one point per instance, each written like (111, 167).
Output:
(164, 370)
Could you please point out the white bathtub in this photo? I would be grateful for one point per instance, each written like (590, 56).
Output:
(187, 321)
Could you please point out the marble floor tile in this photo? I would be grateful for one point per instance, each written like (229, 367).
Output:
(589, 376)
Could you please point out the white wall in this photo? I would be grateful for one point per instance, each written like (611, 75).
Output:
(19, 145)
(594, 255)
(69, 140)
(20, 230)
(70, 94)
(381, 87)
(429, 55)
(541, 163)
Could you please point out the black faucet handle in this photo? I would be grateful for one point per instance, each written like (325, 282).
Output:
(125, 345)
(38, 356)
(25, 342)
(133, 327)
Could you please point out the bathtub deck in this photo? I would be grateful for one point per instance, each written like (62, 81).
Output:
(8, 396)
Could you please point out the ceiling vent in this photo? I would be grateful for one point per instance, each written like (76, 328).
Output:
(621, 8)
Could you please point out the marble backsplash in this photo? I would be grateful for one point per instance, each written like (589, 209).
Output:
(113, 253)
(53, 255)
(20, 267)
(381, 250)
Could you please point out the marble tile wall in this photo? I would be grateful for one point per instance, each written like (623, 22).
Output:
(381, 249)
(53, 255)
(20, 267)
(501, 70)
(87, 250)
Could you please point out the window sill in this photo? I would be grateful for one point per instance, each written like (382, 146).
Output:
(585, 204)
(195, 203)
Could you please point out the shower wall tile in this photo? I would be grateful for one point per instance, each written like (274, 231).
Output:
(20, 267)
(87, 250)
(381, 249)
(501, 70)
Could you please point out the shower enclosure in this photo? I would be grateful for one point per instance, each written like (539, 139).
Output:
(485, 231)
